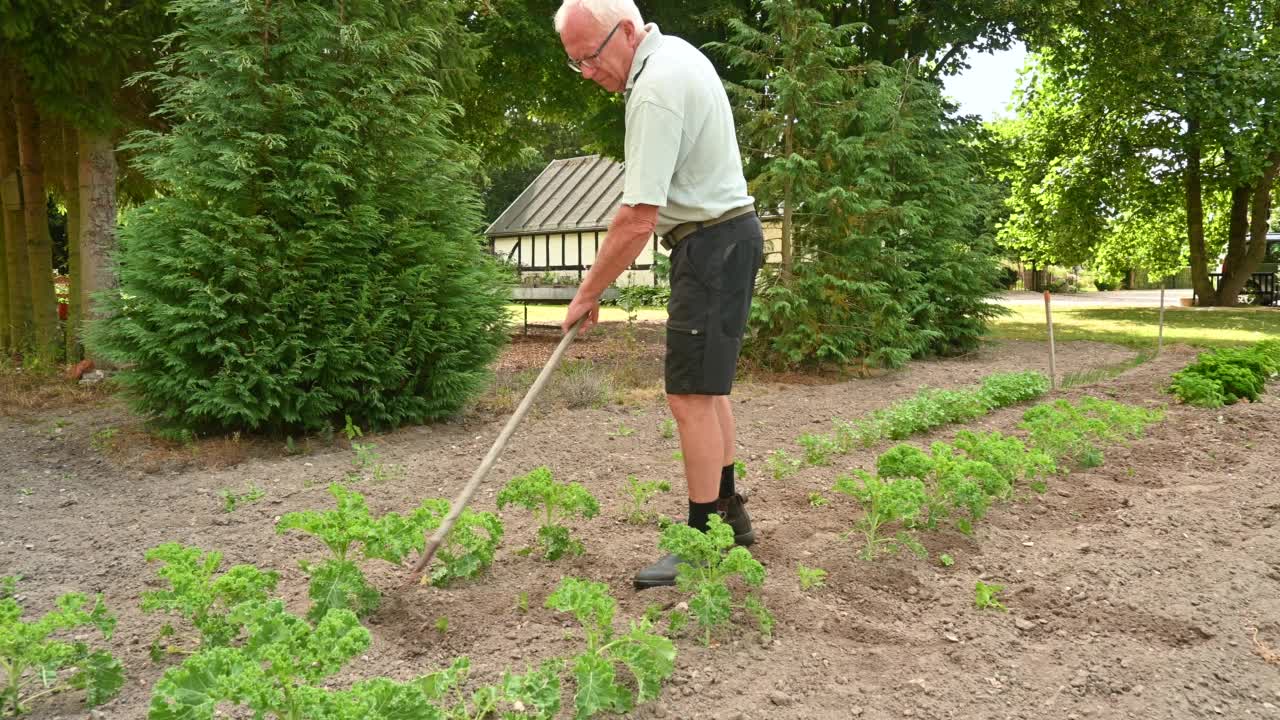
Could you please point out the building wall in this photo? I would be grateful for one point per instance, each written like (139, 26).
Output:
(558, 253)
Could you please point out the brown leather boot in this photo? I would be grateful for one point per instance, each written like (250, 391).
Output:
(734, 512)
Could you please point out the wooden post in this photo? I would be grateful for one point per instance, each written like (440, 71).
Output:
(1160, 337)
(1053, 362)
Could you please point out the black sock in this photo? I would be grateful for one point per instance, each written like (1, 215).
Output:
(726, 482)
(699, 512)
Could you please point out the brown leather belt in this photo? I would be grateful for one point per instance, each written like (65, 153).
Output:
(683, 230)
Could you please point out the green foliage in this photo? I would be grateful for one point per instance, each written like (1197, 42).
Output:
(811, 577)
(667, 428)
(231, 499)
(930, 408)
(338, 582)
(196, 595)
(34, 664)
(1096, 174)
(866, 278)
(885, 502)
(818, 449)
(1224, 376)
(556, 501)
(782, 465)
(1070, 434)
(1006, 455)
(954, 482)
(987, 596)
(641, 492)
(707, 561)
(311, 251)
(816, 500)
(946, 560)
(650, 658)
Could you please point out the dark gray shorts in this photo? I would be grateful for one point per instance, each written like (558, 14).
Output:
(713, 273)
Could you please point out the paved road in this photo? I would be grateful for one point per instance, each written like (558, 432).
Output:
(1115, 298)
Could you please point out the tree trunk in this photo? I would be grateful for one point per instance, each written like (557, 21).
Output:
(6, 344)
(787, 201)
(35, 206)
(1205, 293)
(97, 225)
(15, 258)
(71, 195)
(1247, 245)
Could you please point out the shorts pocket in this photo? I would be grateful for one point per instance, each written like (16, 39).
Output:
(685, 359)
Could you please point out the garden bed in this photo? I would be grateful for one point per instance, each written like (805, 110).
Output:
(1133, 589)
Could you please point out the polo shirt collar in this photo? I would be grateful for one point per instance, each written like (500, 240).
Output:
(652, 41)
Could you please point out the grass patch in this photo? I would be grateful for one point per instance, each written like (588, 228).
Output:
(23, 391)
(1138, 327)
(1106, 372)
(554, 314)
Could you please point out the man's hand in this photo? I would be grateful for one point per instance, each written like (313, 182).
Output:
(580, 306)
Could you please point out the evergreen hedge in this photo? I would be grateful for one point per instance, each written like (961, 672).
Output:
(312, 252)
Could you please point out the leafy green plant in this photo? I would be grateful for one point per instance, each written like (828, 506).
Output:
(104, 439)
(1072, 433)
(1005, 389)
(811, 577)
(623, 431)
(649, 657)
(33, 664)
(885, 502)
(667, 428)
(442, 624)
(946, 560)
(782, 465)
(987, 596)
(818, 449)
(707, 561)
(532, 696)
(1227, 375)
(953, 482)
(231, 499)
(337, 582)
(196, 595)
(366, 456)
(739, 469)
(1007, 455)
(641, 492)
(816, 500)
(278, 671)
(557, 502)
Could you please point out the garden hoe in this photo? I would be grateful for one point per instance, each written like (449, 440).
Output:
(464, 497)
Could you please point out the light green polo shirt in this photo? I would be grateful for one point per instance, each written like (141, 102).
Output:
(681, 150)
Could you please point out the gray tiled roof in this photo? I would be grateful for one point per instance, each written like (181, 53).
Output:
(577, 194)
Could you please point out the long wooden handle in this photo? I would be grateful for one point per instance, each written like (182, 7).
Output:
(464, 497)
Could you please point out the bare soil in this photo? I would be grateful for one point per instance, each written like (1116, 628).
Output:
(1134, 590)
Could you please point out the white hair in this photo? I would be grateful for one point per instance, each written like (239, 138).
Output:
(606, 12)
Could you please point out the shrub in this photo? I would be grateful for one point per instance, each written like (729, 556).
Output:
(310, 250)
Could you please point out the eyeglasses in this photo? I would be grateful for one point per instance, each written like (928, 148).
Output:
(589, 61)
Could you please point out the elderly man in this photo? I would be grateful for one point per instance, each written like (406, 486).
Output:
(684, 181)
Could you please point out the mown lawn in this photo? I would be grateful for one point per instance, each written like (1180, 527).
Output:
(1137, 327)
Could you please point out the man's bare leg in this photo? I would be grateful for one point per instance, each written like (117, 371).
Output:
(701, 443)
(728, 429)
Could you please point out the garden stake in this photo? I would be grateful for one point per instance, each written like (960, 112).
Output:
(1160, 337)
(1053, 370)
(464, 497)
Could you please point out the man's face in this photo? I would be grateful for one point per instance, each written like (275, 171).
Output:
(582, 37)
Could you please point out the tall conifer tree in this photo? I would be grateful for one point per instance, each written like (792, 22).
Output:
(312, 253)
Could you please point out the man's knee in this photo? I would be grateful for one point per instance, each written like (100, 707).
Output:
(690, 408)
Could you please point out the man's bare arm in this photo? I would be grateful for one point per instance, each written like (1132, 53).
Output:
(628, 234)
